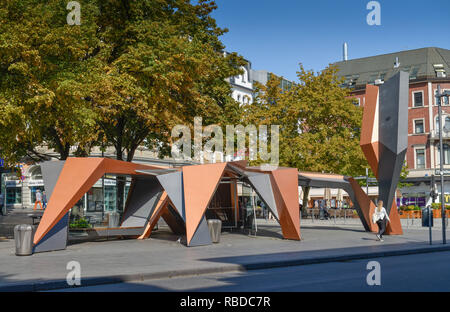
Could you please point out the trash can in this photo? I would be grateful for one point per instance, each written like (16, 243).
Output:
(215, 228)
(114, 219)
(23, 236)
(427, 217)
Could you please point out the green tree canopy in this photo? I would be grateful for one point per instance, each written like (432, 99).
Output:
(125, 76)
(319, 124)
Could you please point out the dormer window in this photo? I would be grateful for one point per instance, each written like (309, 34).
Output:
(440, 70)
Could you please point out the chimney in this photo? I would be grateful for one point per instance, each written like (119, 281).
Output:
(345, 52)
(396, 63)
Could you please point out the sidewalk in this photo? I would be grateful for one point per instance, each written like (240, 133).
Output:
(162, 256)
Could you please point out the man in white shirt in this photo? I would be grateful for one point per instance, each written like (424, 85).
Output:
(380, 217)
(38, 200)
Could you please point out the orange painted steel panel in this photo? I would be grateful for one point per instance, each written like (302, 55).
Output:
(367, 206)
(113, 166)
(369, 112)
(200, 182)
(369, 130)
(163, 202)
(76, 178)
(285, 190)
(371, 153)
(394, 227)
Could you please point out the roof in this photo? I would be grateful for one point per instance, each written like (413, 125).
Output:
(420, 64)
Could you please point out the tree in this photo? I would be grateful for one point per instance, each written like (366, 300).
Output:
(319, 124)
(41, 75)
(160, 63)
(125, 76)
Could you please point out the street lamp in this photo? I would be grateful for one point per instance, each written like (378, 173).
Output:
(441, 165)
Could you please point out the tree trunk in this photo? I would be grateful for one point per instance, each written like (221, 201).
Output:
(306, 190)
(65, 152)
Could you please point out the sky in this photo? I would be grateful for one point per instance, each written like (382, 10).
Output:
(277, 35)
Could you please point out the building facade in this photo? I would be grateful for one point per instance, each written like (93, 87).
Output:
(428, 68)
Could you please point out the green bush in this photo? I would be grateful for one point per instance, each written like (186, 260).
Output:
(80, 224)
(436, 206)
(439, 207)
(410, 207)
(403, 208)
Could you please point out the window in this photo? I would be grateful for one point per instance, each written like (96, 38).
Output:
(419, 126)
(446, 154)
(446, 124)
(444, 100)
(36, 173)
(13, 195)
(417, 99)
(420, 158)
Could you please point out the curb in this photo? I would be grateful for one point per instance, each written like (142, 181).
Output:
(114, 279)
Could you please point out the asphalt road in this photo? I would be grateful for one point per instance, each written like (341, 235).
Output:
(421, 272)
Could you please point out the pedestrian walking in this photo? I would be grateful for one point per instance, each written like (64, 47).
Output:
(380, 217)
(44, 199)
(38, 200)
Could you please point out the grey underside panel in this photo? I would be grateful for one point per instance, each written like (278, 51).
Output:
(263, 187)
(173, 185)
(393, 135)
(393, 113)
(201, 236)
(56, 238)
(93, 233)
(144, 197)
(389, 170)
(50, 174)
(323, 183)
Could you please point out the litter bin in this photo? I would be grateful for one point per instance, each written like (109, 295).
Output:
(215, 228)
(427, 217)
(114, 219)
(23, 236)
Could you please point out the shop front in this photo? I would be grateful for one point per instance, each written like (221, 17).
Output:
(100, 201)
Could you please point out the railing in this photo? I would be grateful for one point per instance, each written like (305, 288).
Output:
(333, 214)
(434, 134)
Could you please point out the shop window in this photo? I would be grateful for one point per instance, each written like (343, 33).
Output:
(13, 195)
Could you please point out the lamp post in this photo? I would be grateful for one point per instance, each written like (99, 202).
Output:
(441, 165)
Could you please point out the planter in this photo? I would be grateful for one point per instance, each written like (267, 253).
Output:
(436, 213)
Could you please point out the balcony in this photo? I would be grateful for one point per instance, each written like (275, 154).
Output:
(434, 135)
